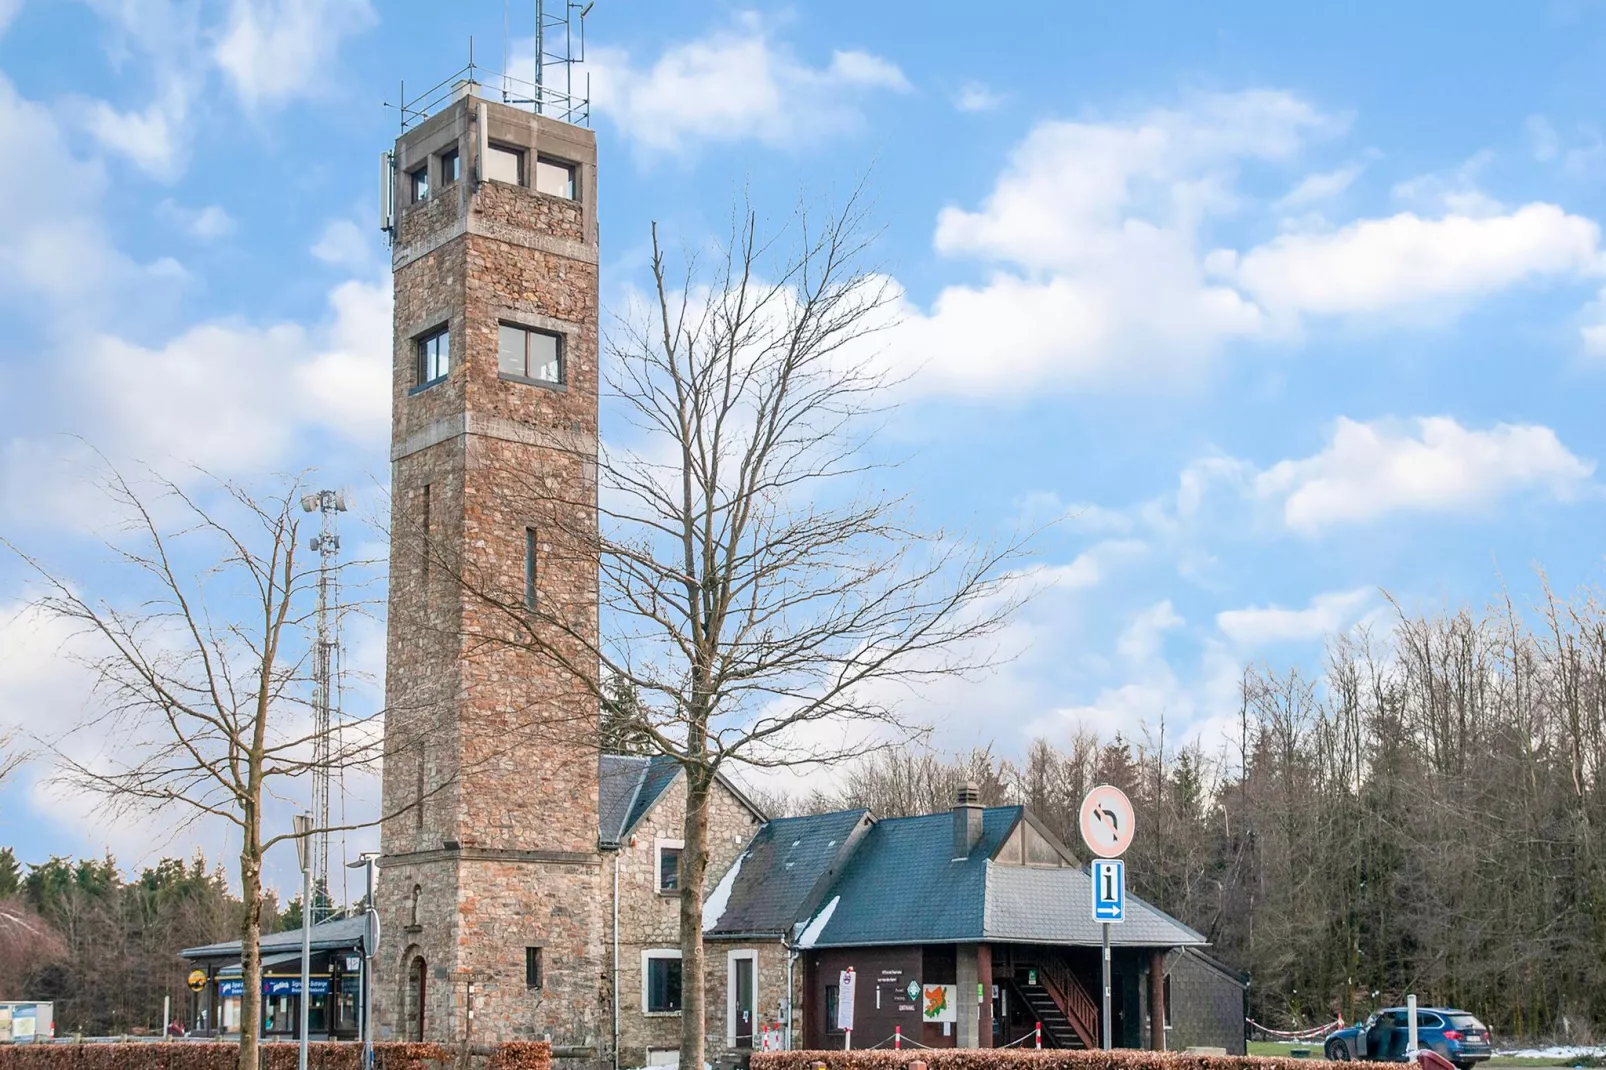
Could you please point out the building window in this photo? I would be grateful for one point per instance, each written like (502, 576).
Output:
(668, 867)
(434, 356)
(451, 168)
(532, 968)
(418, 806)
(554, 177)
(526, 353)
(1166, 995)
(831, 1009)
(420, 179)
(660, 982)
(504, 164)
(530, 549)
(423, 547)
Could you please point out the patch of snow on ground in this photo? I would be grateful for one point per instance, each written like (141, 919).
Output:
(817, 926)
(1559, 1052)
(714, 906)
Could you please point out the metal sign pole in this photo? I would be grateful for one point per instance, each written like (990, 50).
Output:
(1104, 1018)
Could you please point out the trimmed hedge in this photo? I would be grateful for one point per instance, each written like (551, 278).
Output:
(202, 1055)
(1019, 1059)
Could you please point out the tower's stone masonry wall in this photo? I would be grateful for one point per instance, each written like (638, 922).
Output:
(494, 849)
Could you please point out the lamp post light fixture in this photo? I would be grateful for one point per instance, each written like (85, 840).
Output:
(370, 949)
(304, 854)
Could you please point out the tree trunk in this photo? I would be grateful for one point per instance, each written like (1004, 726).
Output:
(250, 952)
(693, 870)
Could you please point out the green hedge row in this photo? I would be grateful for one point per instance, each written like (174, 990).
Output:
(1019, 1059)
(197, 1055)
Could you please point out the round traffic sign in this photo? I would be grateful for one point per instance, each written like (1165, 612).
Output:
(196, 980)
(1107, 821)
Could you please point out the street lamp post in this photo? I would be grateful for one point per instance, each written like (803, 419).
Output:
(370, 948)
(304, 853)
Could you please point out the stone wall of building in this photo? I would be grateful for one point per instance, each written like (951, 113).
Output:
(650, 919)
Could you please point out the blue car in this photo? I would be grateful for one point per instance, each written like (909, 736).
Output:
(1456, 1035)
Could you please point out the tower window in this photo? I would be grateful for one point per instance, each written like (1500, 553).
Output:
(532, 968)
(530, 549)
(528, 354)
(451, 167)
(554, 177)
(434, 357)
(504, 164)
(420, 179)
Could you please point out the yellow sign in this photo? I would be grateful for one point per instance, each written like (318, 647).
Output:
(196, 980)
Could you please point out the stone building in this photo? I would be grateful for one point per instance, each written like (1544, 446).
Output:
(528, 883)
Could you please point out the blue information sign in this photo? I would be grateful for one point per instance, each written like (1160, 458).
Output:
(273, 986)
(1109, 889)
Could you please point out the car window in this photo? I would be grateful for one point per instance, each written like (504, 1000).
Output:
(1425, 1020)
(1399, 1018)
(1467, 1022)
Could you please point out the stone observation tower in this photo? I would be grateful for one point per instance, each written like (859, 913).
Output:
(490, 895)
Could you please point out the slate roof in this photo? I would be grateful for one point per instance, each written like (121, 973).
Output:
(629, 785)
(779, 877)
(900, 884)
(326, 936)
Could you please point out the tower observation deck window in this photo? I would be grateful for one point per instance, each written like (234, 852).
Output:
(420, 180)
(504, 164)
(528, 354)
(451, 168)
(554, 177)
(434, 356)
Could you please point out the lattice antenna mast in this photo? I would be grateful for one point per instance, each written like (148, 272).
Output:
(326, 544)
(560, 43)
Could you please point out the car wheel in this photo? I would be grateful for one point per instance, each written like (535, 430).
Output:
(1337, 1051)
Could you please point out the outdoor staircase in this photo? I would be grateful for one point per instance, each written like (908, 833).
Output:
(1069, 1016)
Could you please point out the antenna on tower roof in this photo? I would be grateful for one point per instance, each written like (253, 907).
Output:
(560, 42)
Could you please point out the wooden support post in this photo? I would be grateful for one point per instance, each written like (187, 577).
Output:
(1157, 999)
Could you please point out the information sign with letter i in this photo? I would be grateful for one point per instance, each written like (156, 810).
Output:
(1109, 889)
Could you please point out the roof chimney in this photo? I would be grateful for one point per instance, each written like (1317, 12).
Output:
(967, 818)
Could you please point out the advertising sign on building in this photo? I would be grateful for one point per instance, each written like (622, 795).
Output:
(940, 1003)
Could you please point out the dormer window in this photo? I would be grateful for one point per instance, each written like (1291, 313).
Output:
(420, 180)
(451, 168)
(554, 177)
(503, 163)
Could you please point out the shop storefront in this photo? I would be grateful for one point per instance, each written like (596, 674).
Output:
(334, 1009)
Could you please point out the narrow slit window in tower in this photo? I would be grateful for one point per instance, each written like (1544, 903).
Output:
(532, 968)
(530, 550)
(423, 542)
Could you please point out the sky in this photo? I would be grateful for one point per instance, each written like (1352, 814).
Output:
(1263, 311)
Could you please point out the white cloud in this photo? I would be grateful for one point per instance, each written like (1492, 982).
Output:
(234, 398)
(1432, 464)
(1094, 230)
(8, 11)
(155, 140)
(1091, 567)
(342, 242)
(207, 223)
(59, 246)
(976, 97)
(1379, 264)
(735, 84)
(1326, 614)
(274, 50)
(1316, 188)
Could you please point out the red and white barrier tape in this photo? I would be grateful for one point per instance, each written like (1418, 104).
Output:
(1302, 1034)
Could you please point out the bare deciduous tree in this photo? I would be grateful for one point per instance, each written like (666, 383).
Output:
(764, 601)
(201, 661)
